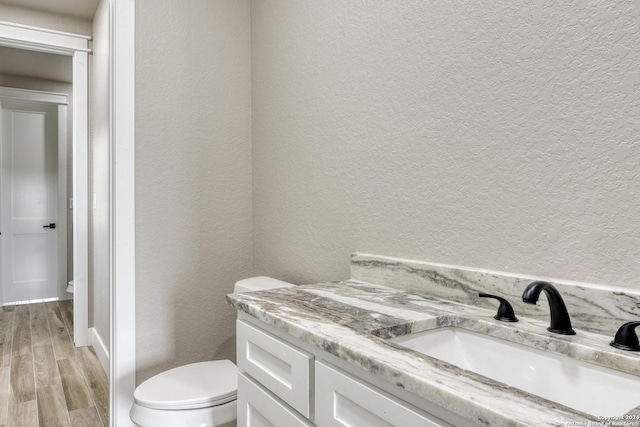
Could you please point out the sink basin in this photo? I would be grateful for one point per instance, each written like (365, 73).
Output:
(579, 385)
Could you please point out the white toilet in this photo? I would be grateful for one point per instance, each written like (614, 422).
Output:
(199, 394)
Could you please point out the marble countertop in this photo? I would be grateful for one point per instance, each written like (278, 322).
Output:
(353, 320)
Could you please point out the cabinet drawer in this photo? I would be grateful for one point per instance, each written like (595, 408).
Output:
(342, 401)
(257, 408)
(280, 367)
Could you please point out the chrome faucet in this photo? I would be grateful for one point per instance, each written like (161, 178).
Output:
(560, 322)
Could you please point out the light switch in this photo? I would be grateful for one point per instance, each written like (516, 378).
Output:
(95, 201)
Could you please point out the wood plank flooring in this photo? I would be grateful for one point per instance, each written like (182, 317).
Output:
(44, 380)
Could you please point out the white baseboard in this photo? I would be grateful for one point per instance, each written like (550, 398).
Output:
(98, 345)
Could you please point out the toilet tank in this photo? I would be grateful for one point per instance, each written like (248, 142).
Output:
(260, 283)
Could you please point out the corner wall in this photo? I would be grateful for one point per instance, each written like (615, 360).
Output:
(502, 135)
(99, 154)
(193, 178)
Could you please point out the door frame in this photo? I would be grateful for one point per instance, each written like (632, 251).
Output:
(122, 48)
(122, 177)
(77, 46)
(59, 100)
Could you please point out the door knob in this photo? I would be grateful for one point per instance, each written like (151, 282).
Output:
(52, 225)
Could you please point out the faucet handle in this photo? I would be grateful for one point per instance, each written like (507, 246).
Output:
(505, 311)
(626, 338)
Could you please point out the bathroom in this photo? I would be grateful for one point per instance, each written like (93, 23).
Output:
(291, 134)
(277, 137)
(495, 135)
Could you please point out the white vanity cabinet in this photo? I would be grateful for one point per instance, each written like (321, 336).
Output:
(344, 401)
(280, 367)
(257, 407)
(283, 385)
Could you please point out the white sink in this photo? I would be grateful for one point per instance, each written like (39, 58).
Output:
(583, 386)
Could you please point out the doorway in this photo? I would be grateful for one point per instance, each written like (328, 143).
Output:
(33, 249)
(121, 32)
(76, 47)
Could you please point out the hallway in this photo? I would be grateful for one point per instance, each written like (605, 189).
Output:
(44, 380)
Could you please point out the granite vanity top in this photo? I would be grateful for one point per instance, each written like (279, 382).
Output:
(352, 320)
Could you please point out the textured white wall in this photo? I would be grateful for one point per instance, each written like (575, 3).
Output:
(193, 177)
(40, 19)
(497, 134)
(36, 65)
(99, 183)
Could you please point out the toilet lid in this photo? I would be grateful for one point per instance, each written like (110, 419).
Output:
(198, 385)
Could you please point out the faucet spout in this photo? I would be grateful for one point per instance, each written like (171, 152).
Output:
(560, 321)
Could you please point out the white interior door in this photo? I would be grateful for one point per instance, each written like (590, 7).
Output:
(29, 201)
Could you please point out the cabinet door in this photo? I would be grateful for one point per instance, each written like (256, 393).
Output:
(258, 408)
(280, 367)
(343, 401)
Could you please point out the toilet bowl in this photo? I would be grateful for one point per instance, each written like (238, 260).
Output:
(200, 394)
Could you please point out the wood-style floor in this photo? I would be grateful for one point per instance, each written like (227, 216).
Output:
(44, 380)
